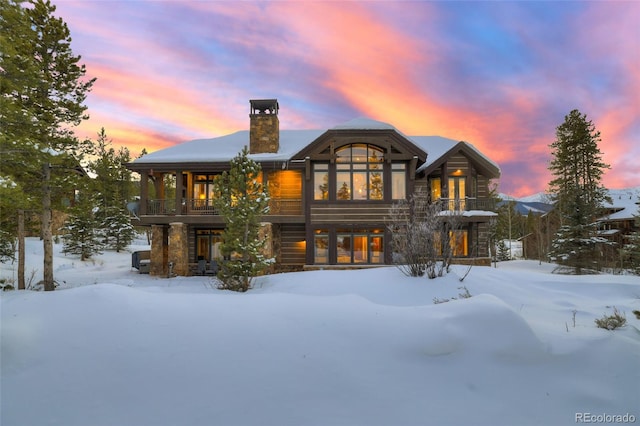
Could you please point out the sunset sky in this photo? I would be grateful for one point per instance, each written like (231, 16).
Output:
(501, 75)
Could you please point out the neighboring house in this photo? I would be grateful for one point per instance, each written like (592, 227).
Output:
(330, 190)
(619, 219)
(617, 222)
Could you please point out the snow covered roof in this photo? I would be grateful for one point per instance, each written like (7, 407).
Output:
(623, 204)
(364, 123)
(437, 147)
(434, 146)
(224, 148)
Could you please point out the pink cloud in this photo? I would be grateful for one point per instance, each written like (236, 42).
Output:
(194, 78)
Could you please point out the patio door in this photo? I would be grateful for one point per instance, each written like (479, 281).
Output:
(208, 244)
(457, 192)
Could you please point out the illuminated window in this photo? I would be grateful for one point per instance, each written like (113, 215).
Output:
(435, 188)
(360, 246)
(208, 244)
(359, 173)
(457, 193)
(460, 242)
(203, 193)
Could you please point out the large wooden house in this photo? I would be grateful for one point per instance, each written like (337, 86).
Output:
(330, 190)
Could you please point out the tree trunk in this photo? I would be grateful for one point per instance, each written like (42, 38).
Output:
(21, 250)
(47, 239)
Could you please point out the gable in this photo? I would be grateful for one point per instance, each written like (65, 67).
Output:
(441, 150)
(363, 131)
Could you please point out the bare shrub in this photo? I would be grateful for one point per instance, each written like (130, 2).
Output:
(613, 321)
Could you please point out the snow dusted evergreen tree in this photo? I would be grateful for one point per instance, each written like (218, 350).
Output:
(81, 233)
(116, 228)
(577, 168)
(42, 94)
(242, 200)
(114, 188)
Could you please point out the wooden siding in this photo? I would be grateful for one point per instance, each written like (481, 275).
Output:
(483, 187)
(458, 162)
(421, 186)
(292, 244)
(285, 191)
(349, 214)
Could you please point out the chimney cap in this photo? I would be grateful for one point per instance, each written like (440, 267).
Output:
(264, 106)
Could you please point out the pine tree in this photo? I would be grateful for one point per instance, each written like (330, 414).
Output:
(42, 94)
(577, 168)
(242, 200)
(114, 186)
(81, 232)
(116, 228)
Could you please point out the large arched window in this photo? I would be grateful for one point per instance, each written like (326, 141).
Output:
(359, 172)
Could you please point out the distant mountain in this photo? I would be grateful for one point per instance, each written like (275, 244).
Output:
(623, 200)
(540, 197)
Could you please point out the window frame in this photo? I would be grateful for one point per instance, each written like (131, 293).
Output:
(351, 165)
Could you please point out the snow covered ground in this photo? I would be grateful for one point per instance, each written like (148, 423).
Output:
(369, 347)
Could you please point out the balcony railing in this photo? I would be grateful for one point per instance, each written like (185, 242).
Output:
(196, 206)
(466, 204)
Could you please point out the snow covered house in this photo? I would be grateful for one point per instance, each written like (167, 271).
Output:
(330, 190)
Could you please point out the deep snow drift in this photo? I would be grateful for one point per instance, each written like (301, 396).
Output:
(368, 347)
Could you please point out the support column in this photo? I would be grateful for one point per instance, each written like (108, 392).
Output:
(266, 234)
(159, 251)
(179, 248)
(179, 192)
(144, 192)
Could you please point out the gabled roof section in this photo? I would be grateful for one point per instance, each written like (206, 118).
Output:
(439, 149)
(363, 128)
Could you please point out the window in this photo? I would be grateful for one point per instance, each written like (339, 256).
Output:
(457, 193)
(321, 246)
(360, 246)
(435, 188)
(208, 244)
(459, 242)
(321, 181)
(359, 173)
(398, 181)
(203, 192)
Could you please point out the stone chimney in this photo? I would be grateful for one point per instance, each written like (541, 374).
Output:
(264, 127)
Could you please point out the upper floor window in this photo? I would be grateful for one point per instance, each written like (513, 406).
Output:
(398, 181)
(359, 172)
(321, 181)
(203, 187)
